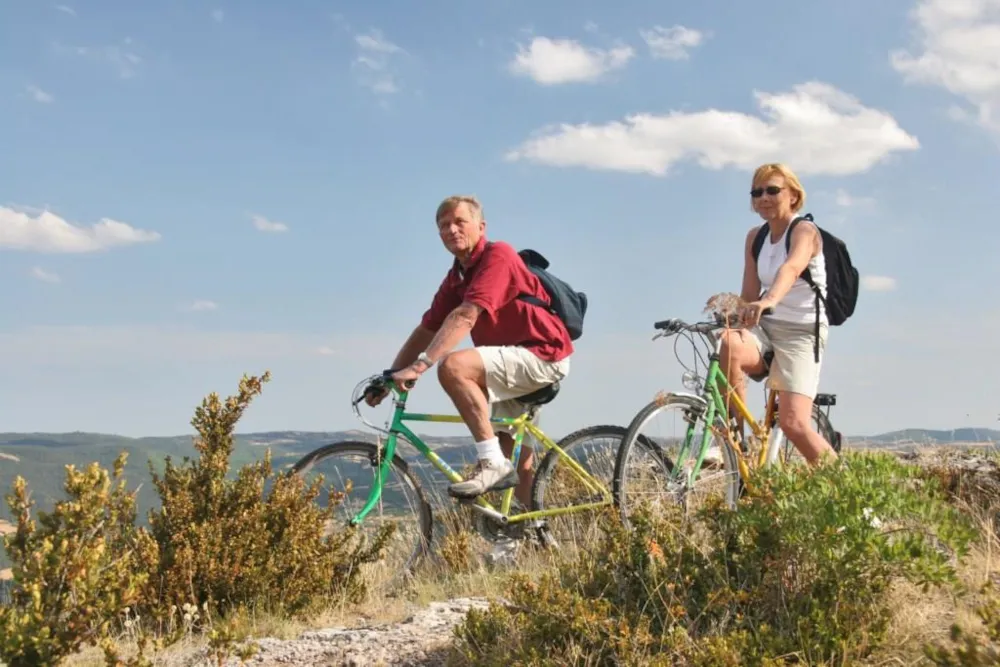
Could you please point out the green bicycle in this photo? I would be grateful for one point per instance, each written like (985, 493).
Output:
(700, 418)
(392, 493)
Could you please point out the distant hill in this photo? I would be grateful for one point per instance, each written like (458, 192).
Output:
(41, 457)
(931, 437)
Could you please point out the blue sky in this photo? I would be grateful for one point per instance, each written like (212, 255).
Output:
(194, 190)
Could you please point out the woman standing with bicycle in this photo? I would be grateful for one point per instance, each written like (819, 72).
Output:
(788, 342)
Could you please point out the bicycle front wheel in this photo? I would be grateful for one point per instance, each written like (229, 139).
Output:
(354, 467)
(648, 454)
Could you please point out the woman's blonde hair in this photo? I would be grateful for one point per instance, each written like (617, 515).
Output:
(765, 171)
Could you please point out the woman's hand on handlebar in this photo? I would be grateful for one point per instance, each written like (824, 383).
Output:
(752, 312)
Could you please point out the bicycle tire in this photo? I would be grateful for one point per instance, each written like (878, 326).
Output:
(633, 435)
(826, 428)
(551, 458)
(399, 466)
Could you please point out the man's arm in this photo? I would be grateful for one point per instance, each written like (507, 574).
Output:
(751, 281)
(418, 341)
(455, 327)
(802, 245)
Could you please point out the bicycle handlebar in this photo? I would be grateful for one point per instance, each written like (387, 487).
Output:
(673, 325)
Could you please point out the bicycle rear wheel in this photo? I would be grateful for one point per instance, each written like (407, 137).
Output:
(355, 466)
(557, 485)
(644, 460)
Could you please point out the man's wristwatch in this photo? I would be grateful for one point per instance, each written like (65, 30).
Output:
(424, 358)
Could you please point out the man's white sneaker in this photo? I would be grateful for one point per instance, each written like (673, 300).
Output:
(488, 476)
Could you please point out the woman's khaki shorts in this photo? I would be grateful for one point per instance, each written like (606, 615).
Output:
(794, 367)
(513, 371)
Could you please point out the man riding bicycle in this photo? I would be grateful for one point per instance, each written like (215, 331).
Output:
(519, 347)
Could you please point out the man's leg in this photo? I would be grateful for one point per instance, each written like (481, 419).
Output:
(463, 377)
(525, 462)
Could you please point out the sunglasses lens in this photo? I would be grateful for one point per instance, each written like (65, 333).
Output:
(756, 192)
(773, 189)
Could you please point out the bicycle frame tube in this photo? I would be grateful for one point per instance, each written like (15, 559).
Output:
(593, 485)
(715, 385)
(520, 424)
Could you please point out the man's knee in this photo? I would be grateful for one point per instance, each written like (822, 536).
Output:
(458, 367)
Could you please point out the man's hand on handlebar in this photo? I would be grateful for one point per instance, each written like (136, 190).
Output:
(375, 393)
(405, 378)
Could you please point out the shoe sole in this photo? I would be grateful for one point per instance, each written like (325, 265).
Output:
(508, 482)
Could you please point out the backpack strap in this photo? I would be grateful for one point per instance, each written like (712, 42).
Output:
(758, 240)
(807, 276)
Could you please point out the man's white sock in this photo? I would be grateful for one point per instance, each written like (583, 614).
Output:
(489, 450)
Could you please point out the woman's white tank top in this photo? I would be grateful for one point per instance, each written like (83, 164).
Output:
(799, 305)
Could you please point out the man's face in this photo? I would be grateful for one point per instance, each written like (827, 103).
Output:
(460, 230)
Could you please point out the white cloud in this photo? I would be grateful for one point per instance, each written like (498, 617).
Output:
(45, 276)
(121, 58)
(555, 61)
(959, 50)
(878, 283)
(815, 127)
(847, 200)
(265, 225)
(672, 43)
(39, 95)
(326, 351)
(47, 232)
(66, 9)
(203, 305)
(373, 64)
(218, 15)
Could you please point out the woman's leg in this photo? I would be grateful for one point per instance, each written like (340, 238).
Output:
(740, 354)
(795, 419)
(795, 375)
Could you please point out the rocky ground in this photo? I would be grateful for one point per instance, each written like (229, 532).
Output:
(419, 641)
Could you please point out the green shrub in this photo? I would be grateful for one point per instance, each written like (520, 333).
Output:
(234, 543)
(74, 570)
(217, 545)
(798, 574)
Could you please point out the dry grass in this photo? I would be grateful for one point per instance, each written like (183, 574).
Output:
(923, 617)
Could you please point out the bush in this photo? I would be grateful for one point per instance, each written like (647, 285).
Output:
(74, 570)
(797, 574)
(232, 543)
(218, 546)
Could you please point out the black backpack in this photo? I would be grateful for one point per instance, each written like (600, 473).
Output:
(567, 304)
(841, 275)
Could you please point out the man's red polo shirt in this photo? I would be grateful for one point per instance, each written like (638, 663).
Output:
(494, 278)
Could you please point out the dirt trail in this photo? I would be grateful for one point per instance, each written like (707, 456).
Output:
(419, 641)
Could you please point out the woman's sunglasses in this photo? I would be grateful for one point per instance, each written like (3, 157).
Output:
(771, 190)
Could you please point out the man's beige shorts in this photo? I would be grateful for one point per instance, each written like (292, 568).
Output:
(794, 367)
(513, 371)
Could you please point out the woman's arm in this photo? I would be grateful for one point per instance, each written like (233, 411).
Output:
(803, 245)
(751, 281)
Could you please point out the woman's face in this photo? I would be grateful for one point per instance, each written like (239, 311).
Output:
(772, 199)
